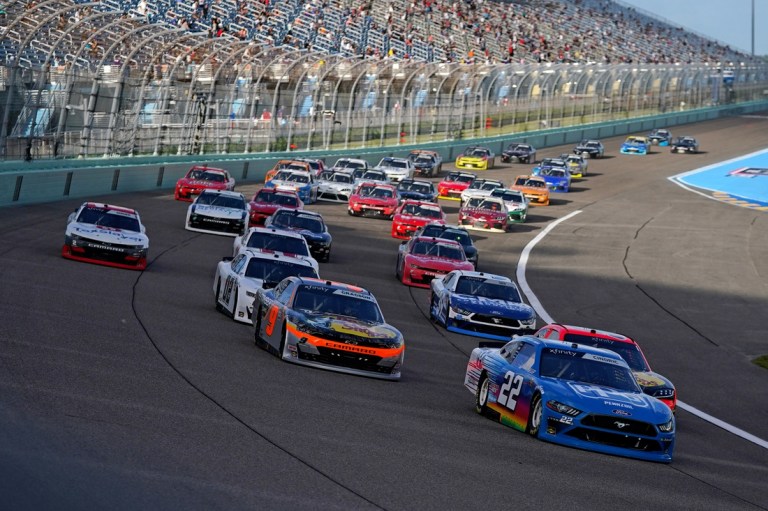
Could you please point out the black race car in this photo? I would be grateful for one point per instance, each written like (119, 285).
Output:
(307, 223)
(684, 145)
(417, 189)
(590, 149)
(519, 153)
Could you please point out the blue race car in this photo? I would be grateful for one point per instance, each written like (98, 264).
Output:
(558, 180)
(636, 145)
(480, 304)
(302, 182)
(417, 189)
(549, 163)
(570, 394)
(307, 223)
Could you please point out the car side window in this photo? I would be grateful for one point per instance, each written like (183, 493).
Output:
(525, 357)
(238, 262)
(510, 350)
(543, 333)
(449, 281)
(284, 295)
(553, 333)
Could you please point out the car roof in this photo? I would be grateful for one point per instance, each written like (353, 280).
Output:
(333, 285)
(260, 253)
(572, 329)
(275, 231)
(102, 205)
(212, 169)
(484, 275)
(581, 348)
(227, 193)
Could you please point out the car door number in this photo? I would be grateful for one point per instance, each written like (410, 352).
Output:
(228, 286)
(271, 320)
(513, 383)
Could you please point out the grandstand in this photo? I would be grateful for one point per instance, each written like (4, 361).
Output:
(105, 77)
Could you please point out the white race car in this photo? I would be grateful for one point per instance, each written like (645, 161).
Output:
(106, 234)
(396, 169)
(218, 212)
(335, 186)
(480, 188)
(237, 279)
(270, 239)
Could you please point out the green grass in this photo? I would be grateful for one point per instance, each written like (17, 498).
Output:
(762, 361)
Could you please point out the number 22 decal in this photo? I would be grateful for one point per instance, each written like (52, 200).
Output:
(510, 390)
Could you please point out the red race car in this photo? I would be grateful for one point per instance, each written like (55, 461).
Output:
(374, 199)
(455, 183)
(652, 383)
(484, 213)
(201, 178)
(267, 200)
(413, 214)
(422, 259)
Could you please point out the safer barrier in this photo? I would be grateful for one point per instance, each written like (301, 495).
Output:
(51, 180)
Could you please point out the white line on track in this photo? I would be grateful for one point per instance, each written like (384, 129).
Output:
(544, 315)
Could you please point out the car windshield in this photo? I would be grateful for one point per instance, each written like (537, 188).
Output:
(348, 164)
(223, 201)
(340, 177)
(381, 193)
(338, 302)
(111, 218)
(421, 210)
(375, 176)
(424, 160)
(552, 172)
(442, 250)
(366, 190)
(397, 164)
(302, 221)
(586, 368)
(509, 196)
(535, 183)
(282, 199)
(272, 271)
(630, 352)
(491, 205)
(203, 175)
(433, 230)
(495, 290)
(461, 178)
(479, 153)
(456, 235)
(277, 243)
(415, 187)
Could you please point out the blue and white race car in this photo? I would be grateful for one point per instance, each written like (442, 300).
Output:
(480, 304)
(636, 145)
(302, 182)
(218, 212)
(558, 180)
(570, 394)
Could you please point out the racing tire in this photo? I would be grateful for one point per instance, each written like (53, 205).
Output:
(481, 394)
(256, 325)
(534, 418)
(216, 296)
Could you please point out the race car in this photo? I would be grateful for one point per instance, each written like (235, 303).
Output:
(684, 145)
(307, 223)
(660, 137)
(558, 180)
(652, 383)
(315, 164)
(201, 178)
(238, 279)
(421, 259)
(267, 200)
(106, 234)
(549, 163)
(452, 232)
(335, 186)
(350, 164)
(396, 169)
(590, 148)
(577, 165)
(484, 214)
(569, 394)
(218, 212)
(534, 188)
(426, 163)
(268, 239)
(328, 325)
(516, 203)
(287, 164)
(519, 153)
(476, 158)
(480, 188)
(374, 199)
(453, 184)
(302, 181)
(480, 304)
(413, 214)
(417, 189)
(636, 145)
(372, 175)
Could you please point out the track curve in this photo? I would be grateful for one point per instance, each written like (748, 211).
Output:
(122, 390)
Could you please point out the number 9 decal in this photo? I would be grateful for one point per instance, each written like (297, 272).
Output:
(510, 390)
(271, 317)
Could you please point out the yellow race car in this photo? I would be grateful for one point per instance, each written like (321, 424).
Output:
(476, 158)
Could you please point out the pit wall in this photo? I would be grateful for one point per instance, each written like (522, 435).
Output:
(52, 180)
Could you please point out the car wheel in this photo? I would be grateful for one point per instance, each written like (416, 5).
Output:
(216, 296)
(534, 418)
(481, 394)
(256, 325)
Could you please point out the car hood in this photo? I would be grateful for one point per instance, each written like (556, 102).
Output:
(287, 184)
(265, 208)
(415, 220)
(493, 306)
(416, 195)
(309, 235)
(483, 213)
(596, 399)
(217, 211)
(438, 262)
(377, 201)
(352, 331)
(651, 380)
(202, 183)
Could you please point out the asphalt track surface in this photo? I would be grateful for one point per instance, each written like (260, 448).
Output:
(127, 390)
